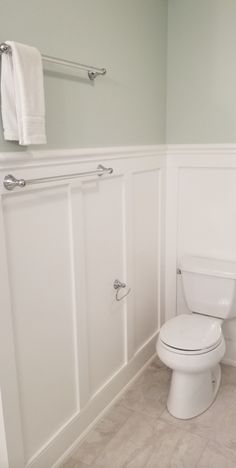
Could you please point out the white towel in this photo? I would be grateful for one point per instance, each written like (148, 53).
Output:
(22, 95)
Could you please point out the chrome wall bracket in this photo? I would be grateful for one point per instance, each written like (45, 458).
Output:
(93, 74)
(10, 182)
(118, 285)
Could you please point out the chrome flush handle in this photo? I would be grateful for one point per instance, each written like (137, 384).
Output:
(118, 285)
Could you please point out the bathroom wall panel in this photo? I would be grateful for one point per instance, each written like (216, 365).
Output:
(69, 347)
(146, 232)
(207, 212)
(39, 257)
(207, 224)
(104, 253)
(201, 217)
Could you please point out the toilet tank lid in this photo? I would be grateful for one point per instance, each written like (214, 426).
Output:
(208, 266)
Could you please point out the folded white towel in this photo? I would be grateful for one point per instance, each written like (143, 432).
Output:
(22, 95)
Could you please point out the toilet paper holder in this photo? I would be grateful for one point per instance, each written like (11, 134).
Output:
(118, 285)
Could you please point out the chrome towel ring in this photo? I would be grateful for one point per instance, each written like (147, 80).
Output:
(118, 285)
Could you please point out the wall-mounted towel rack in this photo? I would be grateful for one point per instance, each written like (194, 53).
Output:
(10, 182)
(93, 72)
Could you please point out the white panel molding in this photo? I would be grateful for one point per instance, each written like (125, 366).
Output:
(132, 378)
(57, 447)
(126, 162)
(201, 155)
(81, 333)
(11, 422)
(171, 223)
(200, 149)
(179, 157)
(74, 298)
(166, 154)
(81, 155)
(128, 235)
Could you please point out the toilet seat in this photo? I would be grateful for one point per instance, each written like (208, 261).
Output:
(191, 334)
(190, 352)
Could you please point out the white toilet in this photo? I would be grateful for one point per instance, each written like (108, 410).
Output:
(192, 345)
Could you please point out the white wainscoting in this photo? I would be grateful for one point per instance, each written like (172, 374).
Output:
(67, 348)
(200, 216)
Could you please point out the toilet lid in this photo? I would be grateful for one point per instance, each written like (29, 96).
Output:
(191, 332)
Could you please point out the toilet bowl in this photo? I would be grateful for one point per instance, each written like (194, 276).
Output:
(194, 361)
(192, 344)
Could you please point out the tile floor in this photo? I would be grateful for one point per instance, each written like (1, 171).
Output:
(138, 432)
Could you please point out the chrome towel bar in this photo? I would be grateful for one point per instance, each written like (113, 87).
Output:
(10, 182)
(93, 72)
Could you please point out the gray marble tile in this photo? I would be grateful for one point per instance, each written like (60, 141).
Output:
(138, 429)
(148, 394)
(101, 434)
(115, 455)
(128, 443)
(126, 447)
(188, 451)
(172, 447)
(217, 423)
(74, 464)
(150, 445)
(138, 432)
(228, 375)
(217, 456)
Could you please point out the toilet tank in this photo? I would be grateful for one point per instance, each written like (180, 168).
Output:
(209, 286)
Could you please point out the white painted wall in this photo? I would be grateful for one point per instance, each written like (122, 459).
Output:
(201, 217)
(68, 347)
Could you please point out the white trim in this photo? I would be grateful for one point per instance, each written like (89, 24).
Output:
(59, 156)
(68, 156)
(220, 157)
(203, 149)
(4, 462)
(57, 446)
(170, 158)
(69, 452)
(169, 155)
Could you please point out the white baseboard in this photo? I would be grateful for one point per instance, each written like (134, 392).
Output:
(56, 451)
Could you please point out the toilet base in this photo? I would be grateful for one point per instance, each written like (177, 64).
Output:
(191, 394)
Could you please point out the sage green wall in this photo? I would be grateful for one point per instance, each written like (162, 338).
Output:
(201, 90)
(126, 107)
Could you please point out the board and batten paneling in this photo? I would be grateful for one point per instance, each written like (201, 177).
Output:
(201, 217)
(38, 252)
(146, 187)
(104, 252)
(68, 347)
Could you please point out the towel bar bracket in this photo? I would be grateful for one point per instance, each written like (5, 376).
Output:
(4, 48)
(10, 182)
